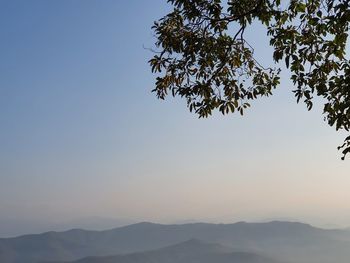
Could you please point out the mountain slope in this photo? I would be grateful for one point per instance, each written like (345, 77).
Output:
(192, 251)
(295, 242)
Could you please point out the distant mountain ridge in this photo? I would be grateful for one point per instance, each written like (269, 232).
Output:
(191, 251)
(296, 242)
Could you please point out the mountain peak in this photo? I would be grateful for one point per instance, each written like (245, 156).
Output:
(197, 246)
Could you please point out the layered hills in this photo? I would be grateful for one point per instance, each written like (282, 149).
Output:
(283, 241)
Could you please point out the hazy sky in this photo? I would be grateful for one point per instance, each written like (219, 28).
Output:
(82, 135)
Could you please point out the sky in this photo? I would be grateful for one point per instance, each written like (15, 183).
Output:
(83, 137)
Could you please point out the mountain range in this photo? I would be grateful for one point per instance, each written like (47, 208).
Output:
(282, 241)
(191, 251)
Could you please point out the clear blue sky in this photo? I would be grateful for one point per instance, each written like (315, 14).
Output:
(82, 135)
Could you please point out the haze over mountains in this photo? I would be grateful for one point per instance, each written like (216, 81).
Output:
(15, 226)
(191, 251)
(281, 241)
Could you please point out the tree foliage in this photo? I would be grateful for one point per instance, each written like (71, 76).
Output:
(204, 57)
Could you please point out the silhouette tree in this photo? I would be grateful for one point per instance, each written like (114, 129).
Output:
(202, 61)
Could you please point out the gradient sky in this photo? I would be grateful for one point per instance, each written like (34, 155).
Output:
(82, 135)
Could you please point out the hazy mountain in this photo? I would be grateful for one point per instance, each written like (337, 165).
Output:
(192, 251)
(293, 242)
(10, 227)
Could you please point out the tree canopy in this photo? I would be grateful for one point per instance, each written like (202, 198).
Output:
(203, 56)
